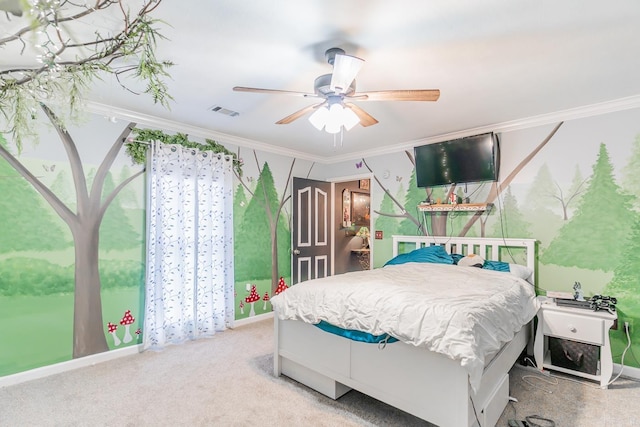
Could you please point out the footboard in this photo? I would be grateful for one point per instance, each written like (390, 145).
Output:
(422, 383)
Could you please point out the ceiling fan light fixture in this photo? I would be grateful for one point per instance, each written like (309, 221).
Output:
(345, 69)
(349, 118)
(334, 119)
(319, 117)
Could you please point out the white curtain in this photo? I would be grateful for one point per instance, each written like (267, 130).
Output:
(189, 275)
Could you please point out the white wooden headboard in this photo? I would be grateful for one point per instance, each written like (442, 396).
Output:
(488, 248)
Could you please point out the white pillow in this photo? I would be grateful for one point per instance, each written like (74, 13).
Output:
(520, 271)
(471, 260)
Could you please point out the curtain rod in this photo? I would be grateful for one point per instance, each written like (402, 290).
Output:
(135, 140)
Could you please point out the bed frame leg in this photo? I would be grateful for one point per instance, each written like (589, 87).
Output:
(277, 362)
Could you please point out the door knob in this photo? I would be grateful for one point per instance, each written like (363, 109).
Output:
(296, 252)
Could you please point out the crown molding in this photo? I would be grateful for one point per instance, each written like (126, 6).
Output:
(164, 124)
(510, 126)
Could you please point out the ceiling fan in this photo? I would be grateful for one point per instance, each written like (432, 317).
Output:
(337, 90)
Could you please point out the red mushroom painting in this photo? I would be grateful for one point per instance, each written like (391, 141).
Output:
(251, 299)
(281, 286)
(126, 321)
(138, 334)
(265, 298)
(111, 328)
(241, 307)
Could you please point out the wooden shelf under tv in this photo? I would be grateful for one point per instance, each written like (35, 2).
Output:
(457, 207)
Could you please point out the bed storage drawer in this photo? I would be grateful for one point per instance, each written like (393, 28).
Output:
(576, 328)
(313, 346)
(496, 404)
(395, 375)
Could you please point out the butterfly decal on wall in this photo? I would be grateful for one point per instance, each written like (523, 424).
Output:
(49, 168)
(359, 165)
(398, 178)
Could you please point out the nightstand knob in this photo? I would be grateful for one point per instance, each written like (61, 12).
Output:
(573, 328)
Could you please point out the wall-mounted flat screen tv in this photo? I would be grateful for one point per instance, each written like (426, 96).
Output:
(470, 159)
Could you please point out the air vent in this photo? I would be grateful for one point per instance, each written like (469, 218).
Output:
(225, 111)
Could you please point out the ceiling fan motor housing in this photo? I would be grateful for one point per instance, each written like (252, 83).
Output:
(322, 86)
(330, 54)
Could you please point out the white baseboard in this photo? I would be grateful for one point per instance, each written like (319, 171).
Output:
(82, 362)
(68, 365)
(253, 319)
(629, 371)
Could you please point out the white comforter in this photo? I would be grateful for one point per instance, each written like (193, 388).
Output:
(465, 313)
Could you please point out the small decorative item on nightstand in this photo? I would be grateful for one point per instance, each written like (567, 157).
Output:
(573, 340)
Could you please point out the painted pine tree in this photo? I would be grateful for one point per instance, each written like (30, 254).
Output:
(625, 283)
(599, 230)
(239, 204)
(62, 186)
(415, 195)
(127, 196)
(631, 173)
(574, 195)
(542, 207)
(116, 232)
(26, 223)
(254, 258)
(511, 222)
(387, 223)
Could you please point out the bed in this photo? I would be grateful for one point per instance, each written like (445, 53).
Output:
(458, 381)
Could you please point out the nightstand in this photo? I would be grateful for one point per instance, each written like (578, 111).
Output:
(574, 341)
(364, 257)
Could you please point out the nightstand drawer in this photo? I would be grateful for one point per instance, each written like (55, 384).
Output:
(573, 327)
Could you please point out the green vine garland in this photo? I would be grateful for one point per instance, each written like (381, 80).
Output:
(137, 149)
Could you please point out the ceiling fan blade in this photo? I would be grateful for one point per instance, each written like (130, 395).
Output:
(366, 119)
(273, 91)
(298, 114)
(402, 95)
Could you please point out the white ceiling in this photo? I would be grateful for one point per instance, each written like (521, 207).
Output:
(494, 61)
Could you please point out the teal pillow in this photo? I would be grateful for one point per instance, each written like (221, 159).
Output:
(433, 254)
(496, 266)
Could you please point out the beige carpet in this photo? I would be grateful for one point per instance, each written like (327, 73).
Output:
(227, 380)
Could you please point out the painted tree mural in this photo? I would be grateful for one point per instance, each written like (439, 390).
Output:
(387, 223)
(573, 196)
(16, 226)
(127, 198)
(511, 222)
(239, 204)
(540, 201)
(263, 230)
(116, 232)
(603, 199)
(496, 189)
(625, 284)
(60, 186)
(88, 327)
(405, 214)
(414, 196)
(631, 173)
